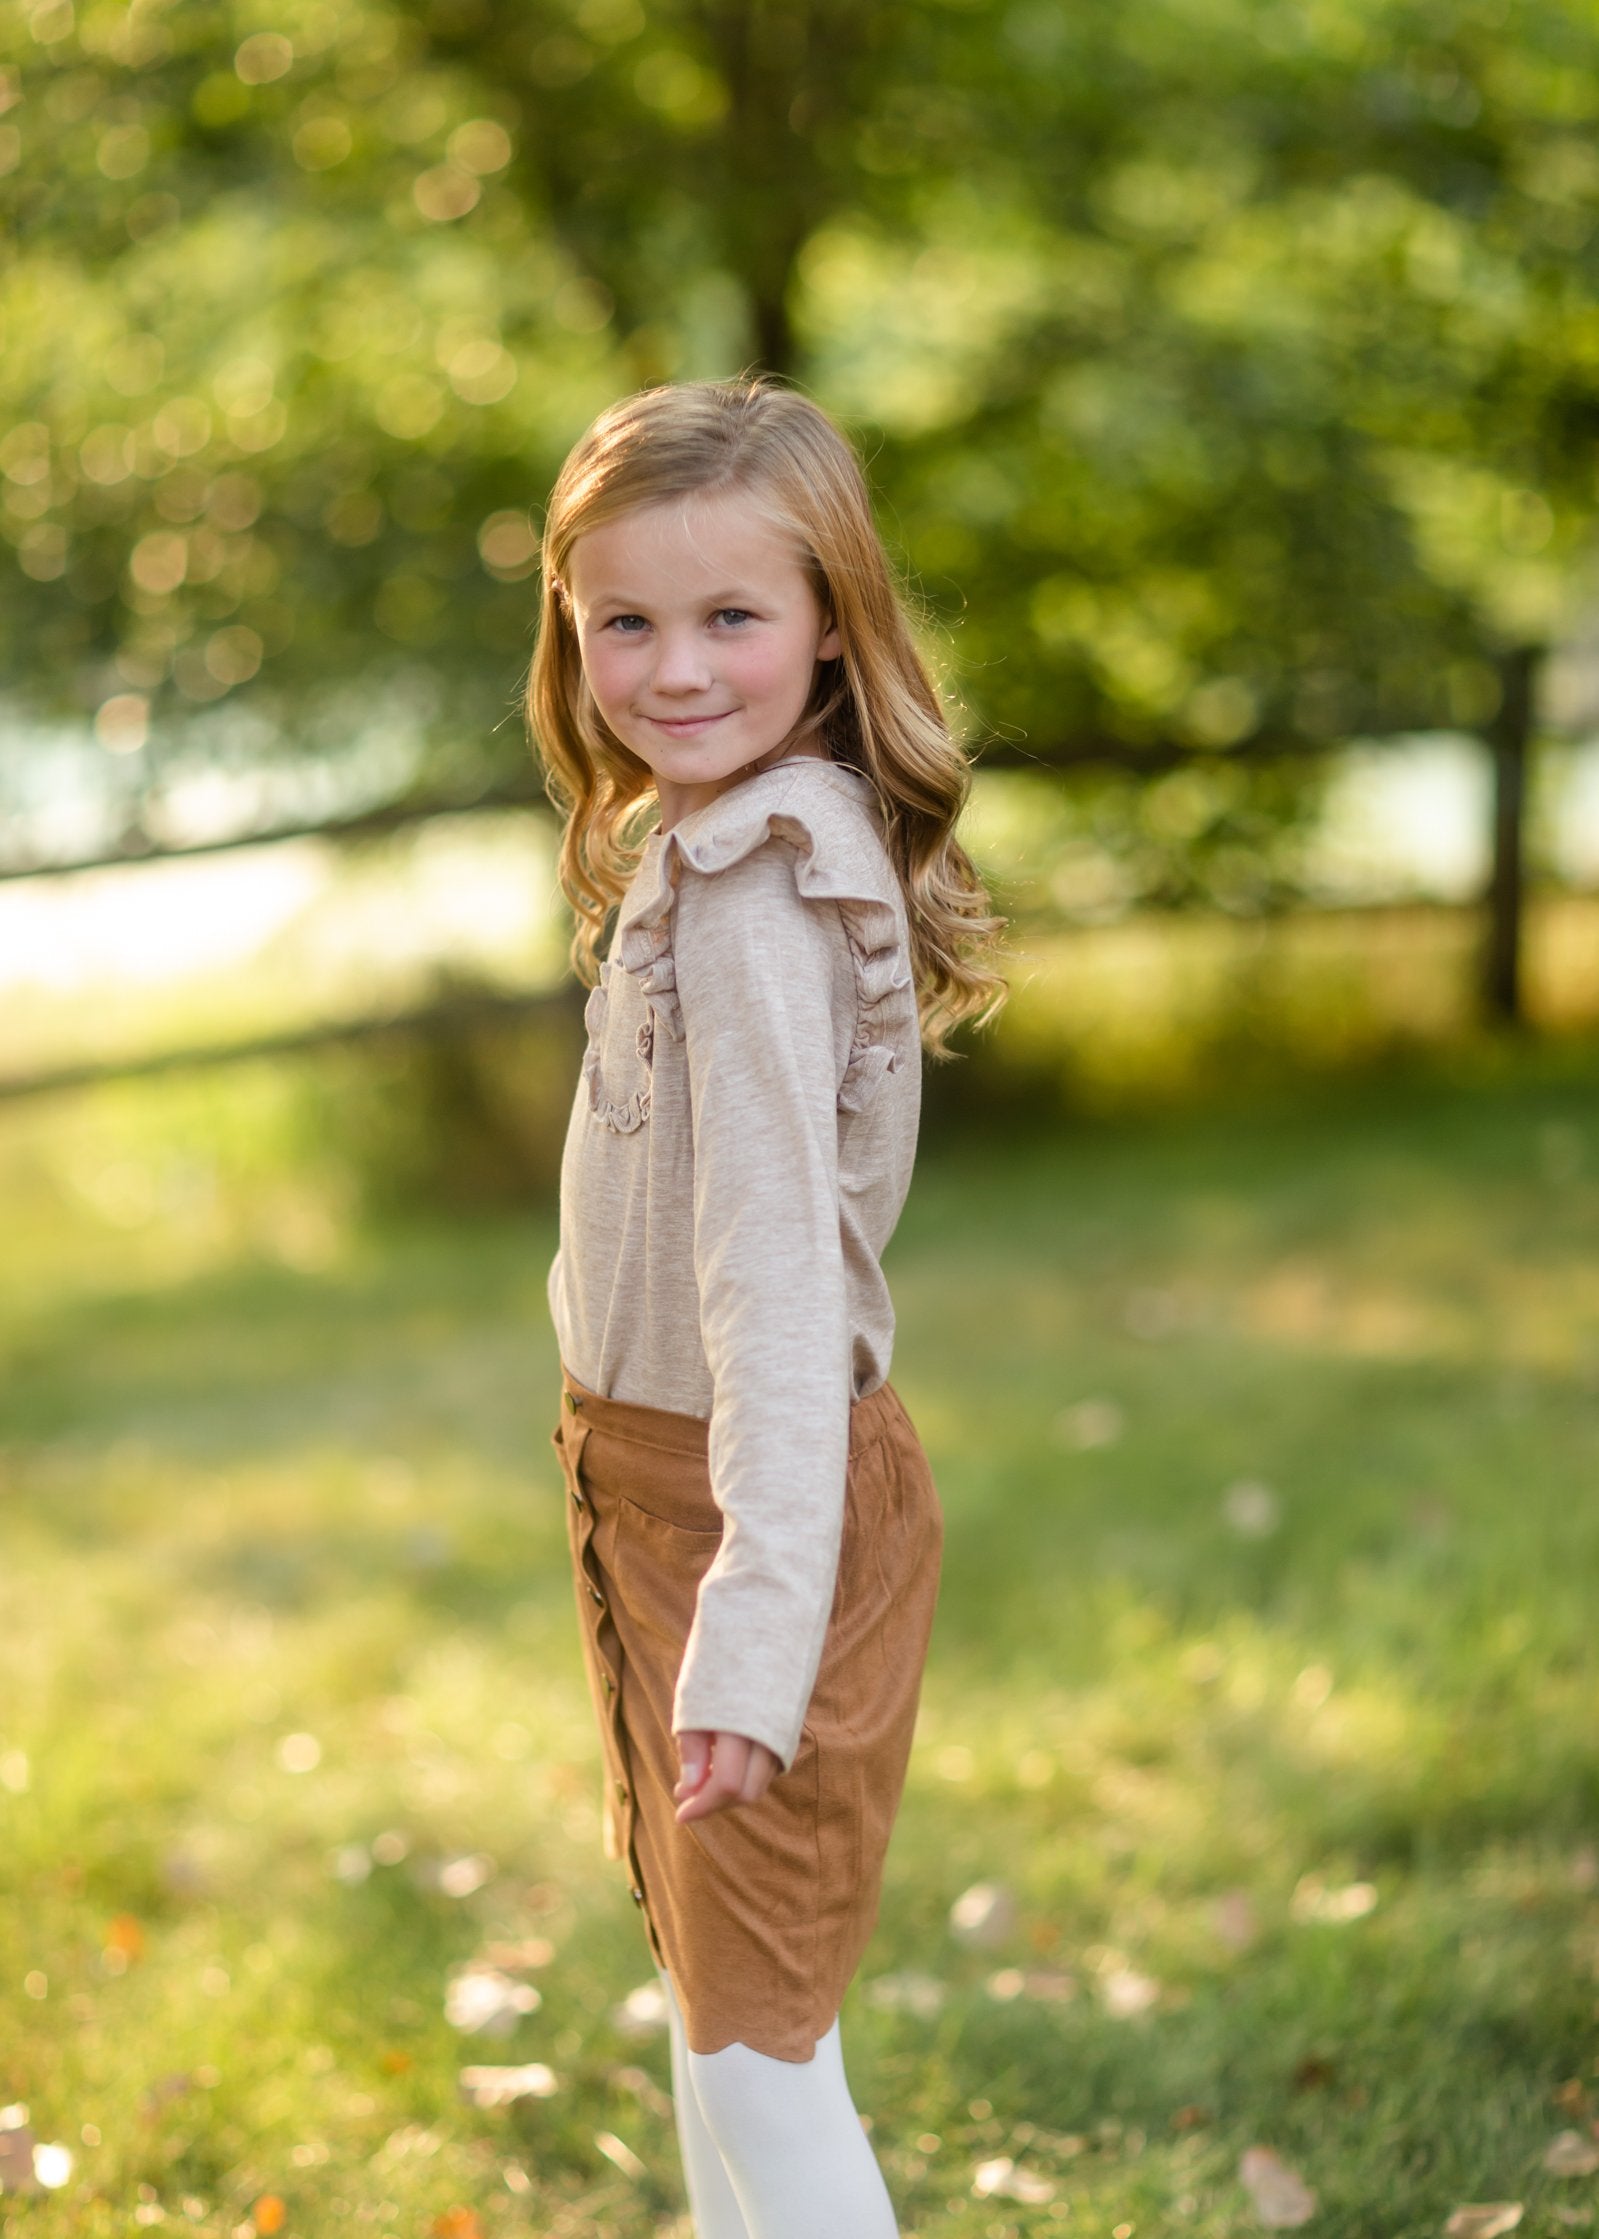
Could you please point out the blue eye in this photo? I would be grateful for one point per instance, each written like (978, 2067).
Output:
(734, 614)
(618, 621)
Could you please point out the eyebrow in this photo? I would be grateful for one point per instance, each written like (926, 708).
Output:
(733, 597)
(744, 601)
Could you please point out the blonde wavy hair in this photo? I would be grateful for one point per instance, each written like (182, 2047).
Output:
(874, 707)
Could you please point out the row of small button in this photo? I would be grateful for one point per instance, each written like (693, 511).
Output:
(606, 1681)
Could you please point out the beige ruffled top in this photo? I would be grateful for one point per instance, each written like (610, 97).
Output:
(739, 1151)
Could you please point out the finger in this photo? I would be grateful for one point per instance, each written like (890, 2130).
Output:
(694, 1752)
(729, 1759)
(711, 1797)
(723, 1784)
(757, 1775)
(741, 1771)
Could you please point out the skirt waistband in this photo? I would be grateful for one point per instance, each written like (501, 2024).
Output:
(672, 1433)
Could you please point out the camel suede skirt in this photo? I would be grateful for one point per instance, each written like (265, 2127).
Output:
(760, 1912)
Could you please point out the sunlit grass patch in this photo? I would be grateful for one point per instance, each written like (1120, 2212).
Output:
(1253, 1801)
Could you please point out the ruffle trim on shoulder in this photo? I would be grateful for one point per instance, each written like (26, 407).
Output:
(623, 1118)
(825, 869)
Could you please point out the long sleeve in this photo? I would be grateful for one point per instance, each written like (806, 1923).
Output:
(759, 971)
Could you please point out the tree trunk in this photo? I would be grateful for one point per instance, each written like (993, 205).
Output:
(1509, 740)
(788, 66)
(774, 339)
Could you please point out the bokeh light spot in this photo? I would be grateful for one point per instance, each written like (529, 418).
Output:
(265, 55)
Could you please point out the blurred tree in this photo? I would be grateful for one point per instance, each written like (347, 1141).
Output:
(1228, 370)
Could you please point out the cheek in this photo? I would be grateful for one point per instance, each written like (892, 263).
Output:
(606, 665)
(776, 669)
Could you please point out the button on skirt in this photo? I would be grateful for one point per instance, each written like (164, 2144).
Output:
(759, 1912)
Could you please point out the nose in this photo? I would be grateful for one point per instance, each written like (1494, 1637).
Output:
(681, 666)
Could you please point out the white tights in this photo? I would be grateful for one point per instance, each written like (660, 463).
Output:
(773, 2149)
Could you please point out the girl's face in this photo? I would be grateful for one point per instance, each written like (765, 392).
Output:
(700, 633)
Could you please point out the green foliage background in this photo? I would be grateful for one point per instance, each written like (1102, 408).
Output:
(1228, 370)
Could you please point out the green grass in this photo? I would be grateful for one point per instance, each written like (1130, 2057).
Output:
(271, 1472)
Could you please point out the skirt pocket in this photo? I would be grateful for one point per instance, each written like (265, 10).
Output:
(658, 1566)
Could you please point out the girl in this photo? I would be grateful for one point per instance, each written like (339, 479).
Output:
(755, 1532)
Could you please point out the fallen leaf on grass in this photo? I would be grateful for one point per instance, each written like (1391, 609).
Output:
(29, 2164)
(907, 1992)
(1486, 2219)
(1251, 1509)
(268, 2214)
(457, 2223)
(410, 2138)
(1313, 1900)
(498, 2087)
(1314, 2073)
(16, 2157)
(461, 1877)
(1045, 1983)
(1089, 1424)
(52, 2165)
(299, 1753)
(618, 2151)
(124, 1938)
(1572, 2155)
(642, 2012)
(1000, 2179)
(983, 1915)
(1152, 1314)
(529, 1951)
(183, 1873)
(1190, 2118)
(1282, 2198)
(644, 2088)
(1232, 1917)
(1126, 1993)
(1572, 2097)
(483, 2001)
(165, 2088)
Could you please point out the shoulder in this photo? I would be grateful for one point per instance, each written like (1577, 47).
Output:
(798, 842)
(765, 876)
(825, 812)
(802, 832)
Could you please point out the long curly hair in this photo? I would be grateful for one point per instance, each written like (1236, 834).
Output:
(874, 707)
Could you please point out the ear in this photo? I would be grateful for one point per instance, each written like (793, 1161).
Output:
(829, 648)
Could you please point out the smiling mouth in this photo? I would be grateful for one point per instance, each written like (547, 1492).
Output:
(684, 723)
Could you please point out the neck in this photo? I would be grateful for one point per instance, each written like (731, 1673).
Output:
(678, 801)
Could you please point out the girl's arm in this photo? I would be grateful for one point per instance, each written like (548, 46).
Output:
(766, 986)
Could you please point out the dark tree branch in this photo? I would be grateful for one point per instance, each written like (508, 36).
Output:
(138, 846)
(1509, 740)
(452, 1015)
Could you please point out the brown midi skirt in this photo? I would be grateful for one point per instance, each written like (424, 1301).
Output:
(759, 1912)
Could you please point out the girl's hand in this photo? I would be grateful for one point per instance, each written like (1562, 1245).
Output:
(718, 1770)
